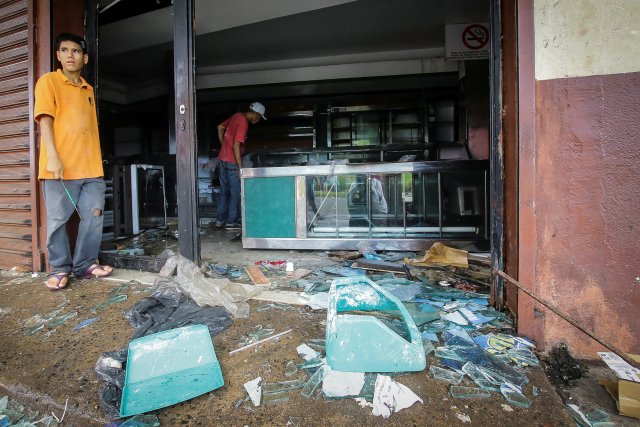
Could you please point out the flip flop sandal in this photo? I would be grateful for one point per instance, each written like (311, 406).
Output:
(59, 285)
(88, 273)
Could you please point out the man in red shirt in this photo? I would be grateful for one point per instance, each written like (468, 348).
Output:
(232, 134)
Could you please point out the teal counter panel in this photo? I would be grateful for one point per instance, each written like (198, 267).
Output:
(269, 207)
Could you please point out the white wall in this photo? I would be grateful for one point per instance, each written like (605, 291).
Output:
(578, 38)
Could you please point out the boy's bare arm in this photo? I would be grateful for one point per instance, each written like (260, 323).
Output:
(53, 160)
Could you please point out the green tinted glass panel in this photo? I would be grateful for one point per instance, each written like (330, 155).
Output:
(269, 207)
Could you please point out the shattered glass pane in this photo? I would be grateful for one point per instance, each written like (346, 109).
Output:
(61, 319)
(290, 369)
(313, 363)
(428, 347)
(369, 386)
(449, 352)
(514, 395)
(142, 421)
(274, 399)
(282, 386)
(314, 381)
(479, 377)
(462, 392)
(445, 375)
(523, 356)
(597, 416)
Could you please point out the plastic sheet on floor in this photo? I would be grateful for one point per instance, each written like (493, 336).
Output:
(214, 292)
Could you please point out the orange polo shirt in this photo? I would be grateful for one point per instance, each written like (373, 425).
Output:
(75, 126)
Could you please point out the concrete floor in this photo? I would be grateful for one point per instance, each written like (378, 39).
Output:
(50, 367)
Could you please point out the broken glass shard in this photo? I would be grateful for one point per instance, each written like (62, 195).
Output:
(85, 323)
(369, 386)
(290, 369)
(523, 356)
(313, 383)
(597, 416)
(479, 377)
(462, 392)
(61, 319)
(313, 363)
(274, 399)
(142, 421)
(448, 352)
(431, 336)
(428, 347)
(445, 375)
(113, 300)
(282, 386)
(318, 342)
(514, 395)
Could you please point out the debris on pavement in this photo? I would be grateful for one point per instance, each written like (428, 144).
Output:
(391, 396)
(15, 414)
(169, 367)
(378, 325)
(626, 391)
(561, 368)
(257, 276)
(440, 254)
(254, 389)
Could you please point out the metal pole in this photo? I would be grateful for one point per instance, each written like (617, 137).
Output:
(566, 317)
(185, 127)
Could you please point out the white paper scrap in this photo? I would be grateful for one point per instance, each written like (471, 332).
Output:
(622, 369)
(306, 352)
(363, 402)
(464, 418)
(391, 396)
(341, 384)
(254, 389)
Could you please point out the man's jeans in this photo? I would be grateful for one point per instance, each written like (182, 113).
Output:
(88, 194)
(229, 200)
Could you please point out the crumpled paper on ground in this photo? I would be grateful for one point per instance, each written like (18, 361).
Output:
(440, 254)
(207, 291)
(342, 384)
(391, 396)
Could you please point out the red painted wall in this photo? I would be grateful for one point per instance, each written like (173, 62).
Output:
(583, 210)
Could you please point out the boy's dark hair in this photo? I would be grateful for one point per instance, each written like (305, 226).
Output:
(70, 37)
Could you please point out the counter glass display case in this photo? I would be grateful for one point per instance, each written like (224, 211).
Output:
(403, 206)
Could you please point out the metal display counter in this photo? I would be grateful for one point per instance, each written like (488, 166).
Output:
(393, 206)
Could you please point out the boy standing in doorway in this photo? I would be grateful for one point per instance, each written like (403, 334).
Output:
(70, 165)
(232, 134)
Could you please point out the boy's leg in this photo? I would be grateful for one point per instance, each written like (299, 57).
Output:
(91, 205)
(223, 199)
(59, 209)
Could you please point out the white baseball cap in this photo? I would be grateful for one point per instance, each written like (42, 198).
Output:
(258, 108)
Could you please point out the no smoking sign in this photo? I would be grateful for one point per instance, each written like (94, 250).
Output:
(467, 41)
(475, 36)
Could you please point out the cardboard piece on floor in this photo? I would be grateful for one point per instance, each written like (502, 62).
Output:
(299, 273)
(257, 276)
(626, 394)
(620, 367)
